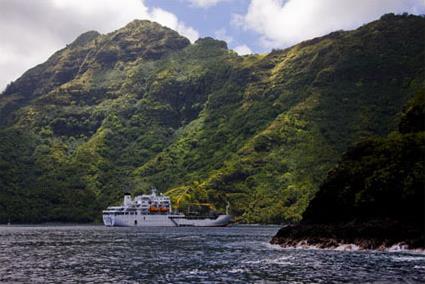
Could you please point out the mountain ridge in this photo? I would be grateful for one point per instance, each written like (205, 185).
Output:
(258, 131)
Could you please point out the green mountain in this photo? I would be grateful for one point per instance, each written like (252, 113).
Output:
(141, 106)
(378, 178)
(374, 198)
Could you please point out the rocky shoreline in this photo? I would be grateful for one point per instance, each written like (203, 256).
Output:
(373, 235)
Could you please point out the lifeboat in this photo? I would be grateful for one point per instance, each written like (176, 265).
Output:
(163, 209)
(153, 209)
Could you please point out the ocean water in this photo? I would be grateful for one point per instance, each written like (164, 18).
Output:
(96, 254)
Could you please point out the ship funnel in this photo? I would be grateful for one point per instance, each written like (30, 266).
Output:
(127, 199)
(153, 189)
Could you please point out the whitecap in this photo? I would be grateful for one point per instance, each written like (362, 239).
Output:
(407, 258)
(398, 247)
(347, 247)
(283, 260)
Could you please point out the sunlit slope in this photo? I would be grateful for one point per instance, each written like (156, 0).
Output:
(142, 106)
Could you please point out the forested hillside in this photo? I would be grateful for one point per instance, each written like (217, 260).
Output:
(378, 178)
(143, 106)
(374, 198)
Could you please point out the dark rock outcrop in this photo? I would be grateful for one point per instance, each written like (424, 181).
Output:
(374, 234)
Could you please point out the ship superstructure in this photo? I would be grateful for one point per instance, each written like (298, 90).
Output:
(154, 210)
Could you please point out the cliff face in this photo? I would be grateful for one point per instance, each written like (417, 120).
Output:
(143, 106)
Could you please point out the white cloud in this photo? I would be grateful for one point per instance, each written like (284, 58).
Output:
(282, 23)
(205, 3)
(170, 20)
(243, 49)
(222, 35)
(31, 30)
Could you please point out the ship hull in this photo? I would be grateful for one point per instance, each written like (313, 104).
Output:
(163, 221)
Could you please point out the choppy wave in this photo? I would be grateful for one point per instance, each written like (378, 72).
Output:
(183, 255)
(400, 247)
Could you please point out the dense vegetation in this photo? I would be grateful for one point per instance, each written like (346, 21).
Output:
(141, 106)
(375, 197)
(379, 178)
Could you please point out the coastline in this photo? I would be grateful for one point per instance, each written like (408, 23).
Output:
(373, 235)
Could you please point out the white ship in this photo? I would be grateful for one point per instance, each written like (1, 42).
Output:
(155, 211)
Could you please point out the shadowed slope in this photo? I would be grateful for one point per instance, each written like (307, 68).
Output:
(142, 106)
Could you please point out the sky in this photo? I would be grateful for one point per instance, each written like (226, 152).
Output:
(32, 30)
